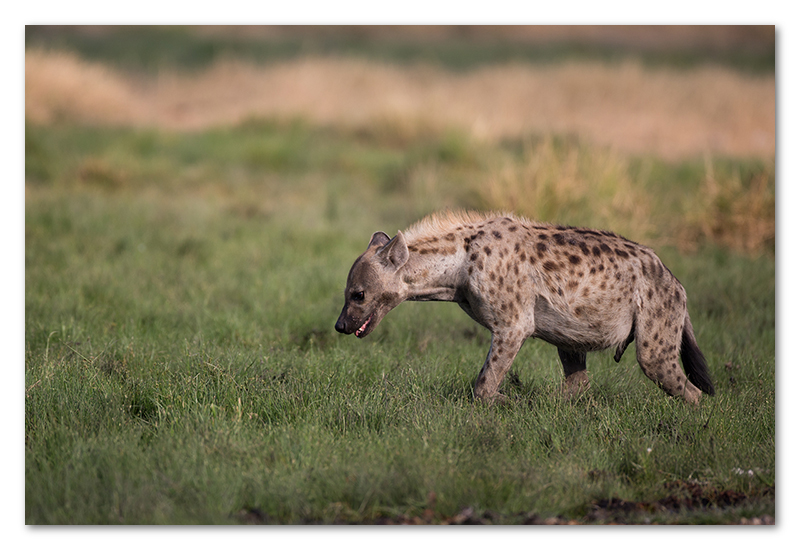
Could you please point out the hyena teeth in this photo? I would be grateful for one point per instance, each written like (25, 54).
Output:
(364, 326)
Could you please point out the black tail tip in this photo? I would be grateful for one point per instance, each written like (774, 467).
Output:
(694, 363)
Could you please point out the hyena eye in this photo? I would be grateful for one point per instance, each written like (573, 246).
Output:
(357, 296)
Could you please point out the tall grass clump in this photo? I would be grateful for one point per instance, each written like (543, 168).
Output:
(562, 180)
(734, 207)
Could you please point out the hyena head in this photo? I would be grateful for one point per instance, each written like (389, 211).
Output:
(374, 286)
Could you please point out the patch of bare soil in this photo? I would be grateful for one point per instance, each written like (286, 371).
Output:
(684, 497)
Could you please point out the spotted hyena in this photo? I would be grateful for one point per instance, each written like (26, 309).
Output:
(579, 289)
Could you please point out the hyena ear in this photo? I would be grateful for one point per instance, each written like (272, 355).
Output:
(379, 238)
(394, 254)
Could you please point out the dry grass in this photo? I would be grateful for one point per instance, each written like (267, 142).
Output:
(670, 113)
(732, 212)
(572, 184)
(61, 86)
(593, 186)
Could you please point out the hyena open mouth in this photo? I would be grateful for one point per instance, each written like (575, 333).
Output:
(360, 332)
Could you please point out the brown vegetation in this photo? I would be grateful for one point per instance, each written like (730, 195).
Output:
(668, 112)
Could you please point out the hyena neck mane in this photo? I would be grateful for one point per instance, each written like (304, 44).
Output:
(441, 224)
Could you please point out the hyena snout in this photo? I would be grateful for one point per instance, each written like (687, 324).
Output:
(341, 324)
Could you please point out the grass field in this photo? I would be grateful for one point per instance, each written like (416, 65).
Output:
(181, 365)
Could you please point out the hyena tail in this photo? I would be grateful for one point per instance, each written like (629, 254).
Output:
(693, 361)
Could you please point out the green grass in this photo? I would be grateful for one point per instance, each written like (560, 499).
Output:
(181, 364)
(153, 48)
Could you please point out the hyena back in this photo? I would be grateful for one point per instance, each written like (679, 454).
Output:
(579, 289)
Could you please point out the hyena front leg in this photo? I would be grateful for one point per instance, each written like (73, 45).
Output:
(505, 345)
(575, 379)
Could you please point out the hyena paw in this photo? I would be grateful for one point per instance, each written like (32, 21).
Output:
(575, 384)
(496, 398)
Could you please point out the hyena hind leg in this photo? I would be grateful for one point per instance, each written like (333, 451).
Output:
(575, 379)
(658, 353)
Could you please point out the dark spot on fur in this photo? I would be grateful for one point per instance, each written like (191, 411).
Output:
(572, 285)
(584, 248)
(531, 260)
(497, 235)
(541, 247)
(516, 269)
(516, 247)
(650, 293)
(542, 236)
(481, 232)
(450, 237)
(470, 270)
(487, 250)
(473, 256)
(585, 292)
(605, 248)
(573, 259)
(560, 292)
(550, 266)
(620, 253)
(479, 265)
(559, 238)
(512, 228)
(596, 250)
(501, 279)
(492, 276)
(578, 311)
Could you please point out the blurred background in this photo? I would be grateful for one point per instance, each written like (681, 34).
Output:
(566, 123)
